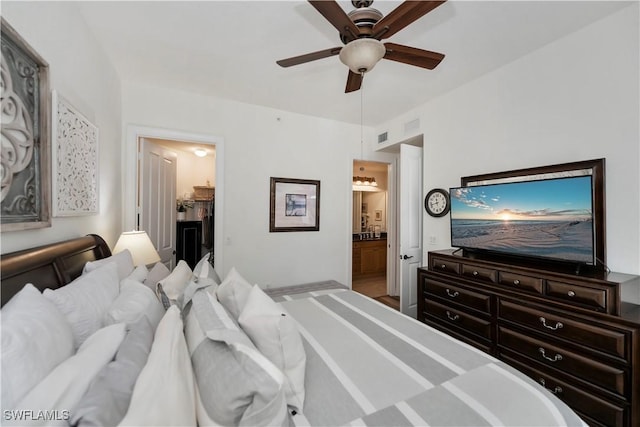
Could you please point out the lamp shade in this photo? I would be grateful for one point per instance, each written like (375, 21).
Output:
(140, 246)
(361, 55)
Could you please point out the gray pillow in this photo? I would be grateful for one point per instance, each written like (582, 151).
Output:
(237, 385)
(158, 272)
(162, 296)
(106, 401)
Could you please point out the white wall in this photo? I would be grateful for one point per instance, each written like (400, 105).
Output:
(81, 73)
(261, 143)
(574, 99)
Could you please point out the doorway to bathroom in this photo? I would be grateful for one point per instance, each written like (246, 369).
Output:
(370, 247)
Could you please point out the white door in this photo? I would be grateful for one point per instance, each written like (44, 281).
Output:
(157, 199)
(409, 226)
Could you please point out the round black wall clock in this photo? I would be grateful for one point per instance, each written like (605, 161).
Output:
(437, 202)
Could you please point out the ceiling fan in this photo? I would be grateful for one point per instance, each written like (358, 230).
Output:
(361, 31)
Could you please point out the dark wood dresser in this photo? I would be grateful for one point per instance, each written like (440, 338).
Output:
(571, 333)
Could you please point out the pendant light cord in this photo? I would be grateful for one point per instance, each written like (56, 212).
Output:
(361, 119)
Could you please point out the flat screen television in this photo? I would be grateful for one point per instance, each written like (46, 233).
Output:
(551, 219)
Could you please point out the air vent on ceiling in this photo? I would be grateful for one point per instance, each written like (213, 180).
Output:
(412, 126)
(383, 137)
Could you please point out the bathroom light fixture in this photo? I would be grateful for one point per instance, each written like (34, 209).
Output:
(200, 152)
(365, 180)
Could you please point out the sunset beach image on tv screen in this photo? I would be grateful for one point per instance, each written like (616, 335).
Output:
(551, 218)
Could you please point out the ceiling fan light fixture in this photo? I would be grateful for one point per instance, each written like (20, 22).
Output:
(361, 55)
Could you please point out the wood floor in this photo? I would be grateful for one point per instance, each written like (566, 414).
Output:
(376, 288)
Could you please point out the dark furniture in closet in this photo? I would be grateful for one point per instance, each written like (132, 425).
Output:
(189, 242)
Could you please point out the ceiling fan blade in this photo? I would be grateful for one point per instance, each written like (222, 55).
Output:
(337, 17)
(308, 57)
(413, 56)
(354, 81)
(403, 15)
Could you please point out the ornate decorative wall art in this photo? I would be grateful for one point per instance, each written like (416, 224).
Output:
(24, 97)
(75, 161)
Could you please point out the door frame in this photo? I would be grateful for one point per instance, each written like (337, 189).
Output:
(131, 178)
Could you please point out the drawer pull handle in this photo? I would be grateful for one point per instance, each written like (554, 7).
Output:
(452, 294)
(516, 282)
(452, 317)
(556, 358)
(558, 325)
(556, 389)
(443, 266)
(475, 273)
(571, 294)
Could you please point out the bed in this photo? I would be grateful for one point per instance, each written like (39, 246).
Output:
(337, 357)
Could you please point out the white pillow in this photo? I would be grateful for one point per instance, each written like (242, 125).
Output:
(36, 337)
(85, 301)
(204, 269)
(123, 259)
(275, 333)
(233, 292)
(135, 300)
(173, 285)
(164, 393)
(158, 272)
(63, 388)
(139, 274)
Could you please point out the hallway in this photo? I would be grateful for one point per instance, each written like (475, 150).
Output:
(376, 287)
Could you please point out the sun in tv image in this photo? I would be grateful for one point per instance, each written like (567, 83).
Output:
(551, 218)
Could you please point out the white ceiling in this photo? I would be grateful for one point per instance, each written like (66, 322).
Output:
(228, 49)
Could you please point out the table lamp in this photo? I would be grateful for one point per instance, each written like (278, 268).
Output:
(140, 246)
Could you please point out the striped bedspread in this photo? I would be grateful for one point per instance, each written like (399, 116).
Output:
(370, 365)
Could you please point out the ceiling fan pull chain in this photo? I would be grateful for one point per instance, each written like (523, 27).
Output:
(362, 119)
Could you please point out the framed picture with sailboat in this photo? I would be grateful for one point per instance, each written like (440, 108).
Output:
(294, 205)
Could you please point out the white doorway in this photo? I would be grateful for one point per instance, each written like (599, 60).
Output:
(370, 260)
(134, 179)
(404, 222)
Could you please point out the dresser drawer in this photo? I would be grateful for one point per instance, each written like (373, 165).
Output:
(474, 300)
(586, 404)
(594, 298)
(606, 376)
(458, 318)
(522, 282)
(479, 273)
(445, 266)
(603, 340)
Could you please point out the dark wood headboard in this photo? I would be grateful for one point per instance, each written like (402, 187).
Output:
(49, 266)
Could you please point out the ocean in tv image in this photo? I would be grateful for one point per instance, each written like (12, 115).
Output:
(550, 218)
